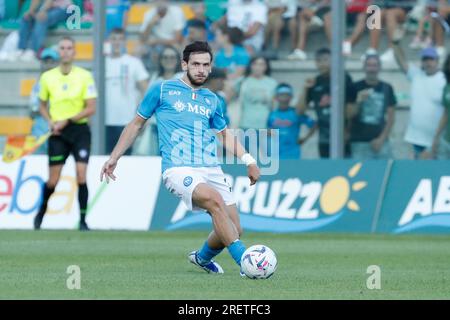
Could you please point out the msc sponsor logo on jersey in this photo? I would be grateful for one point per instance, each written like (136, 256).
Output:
(179, 106)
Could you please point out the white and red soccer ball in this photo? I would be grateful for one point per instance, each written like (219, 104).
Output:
(259, 262)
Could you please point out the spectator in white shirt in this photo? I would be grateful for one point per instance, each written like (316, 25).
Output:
(251, 17)
(163, 25)
(427, 85)
(126, 84)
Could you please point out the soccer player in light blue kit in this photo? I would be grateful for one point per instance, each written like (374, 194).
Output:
(188, 119)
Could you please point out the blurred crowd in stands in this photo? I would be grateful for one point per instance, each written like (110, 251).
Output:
(246, 36)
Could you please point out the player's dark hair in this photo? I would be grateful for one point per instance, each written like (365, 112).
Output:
(268, 72)
(196, 47)
(447, 69)
(322, 52)
(117, 31)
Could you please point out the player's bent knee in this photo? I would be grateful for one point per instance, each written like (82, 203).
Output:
(215, 205)
(208, 199)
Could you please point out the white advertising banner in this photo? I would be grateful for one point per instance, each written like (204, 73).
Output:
(125, 204)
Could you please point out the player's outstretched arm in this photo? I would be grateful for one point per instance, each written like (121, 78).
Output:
(232, 145)
(126, 139)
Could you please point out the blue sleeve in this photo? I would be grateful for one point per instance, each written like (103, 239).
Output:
(151, 101)
(217, 120)
(309, 122)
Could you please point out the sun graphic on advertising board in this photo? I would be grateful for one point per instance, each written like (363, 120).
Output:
(336, 192)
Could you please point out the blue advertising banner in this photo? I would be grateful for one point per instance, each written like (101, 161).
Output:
(304, 196)
(417, 198)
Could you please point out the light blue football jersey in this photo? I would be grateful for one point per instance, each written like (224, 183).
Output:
(187, 120)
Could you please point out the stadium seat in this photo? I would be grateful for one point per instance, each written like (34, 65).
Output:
(26, 86)
(131, 46)
(187, 11)
(137, 13)
(15, 125)
(84, 51)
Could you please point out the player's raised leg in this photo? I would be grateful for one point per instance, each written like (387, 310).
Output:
(209, 199)
(234, 216)
(213, 245)
(47, 190)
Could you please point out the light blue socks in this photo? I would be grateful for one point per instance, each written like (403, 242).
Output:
(205, 254)
(236, 250)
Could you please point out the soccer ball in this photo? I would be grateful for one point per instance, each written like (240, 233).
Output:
(259, 262)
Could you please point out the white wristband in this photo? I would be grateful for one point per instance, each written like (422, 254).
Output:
(248, 159)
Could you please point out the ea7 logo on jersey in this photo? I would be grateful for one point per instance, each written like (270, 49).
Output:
(174, 93)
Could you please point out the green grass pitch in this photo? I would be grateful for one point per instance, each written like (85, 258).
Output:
(153, 265)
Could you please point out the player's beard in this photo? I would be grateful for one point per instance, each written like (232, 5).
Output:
(194, 81)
